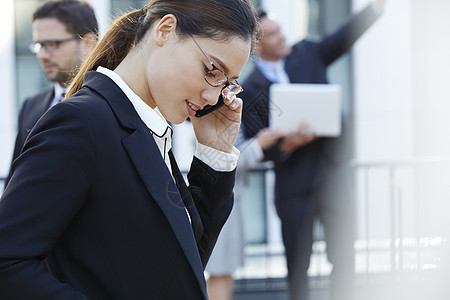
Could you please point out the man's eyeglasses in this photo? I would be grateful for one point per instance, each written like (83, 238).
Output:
(51, 45)
(216, 77)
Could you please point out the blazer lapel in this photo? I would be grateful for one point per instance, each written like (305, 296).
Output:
(46, 101)
(145, 156)
(147, 160)
(196, 223)
(39, 109)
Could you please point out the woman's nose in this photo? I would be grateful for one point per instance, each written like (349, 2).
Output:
(211, 95)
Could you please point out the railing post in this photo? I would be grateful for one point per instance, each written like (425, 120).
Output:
(392, 218)
(367, 215)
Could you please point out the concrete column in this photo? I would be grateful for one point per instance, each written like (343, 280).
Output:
(292, 15)
(383, 84)
(102, 10)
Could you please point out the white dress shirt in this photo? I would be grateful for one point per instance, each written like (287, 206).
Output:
(59, 93)
(273, 70)
(162, 132)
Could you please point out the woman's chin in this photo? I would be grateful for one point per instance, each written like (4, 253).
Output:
(178, 119)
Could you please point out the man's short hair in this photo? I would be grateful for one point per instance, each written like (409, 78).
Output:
(78, 16)
(262, 14)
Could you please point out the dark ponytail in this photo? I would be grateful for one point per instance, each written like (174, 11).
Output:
(112, 48)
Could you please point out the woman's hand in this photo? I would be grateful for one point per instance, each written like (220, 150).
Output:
(219, 129)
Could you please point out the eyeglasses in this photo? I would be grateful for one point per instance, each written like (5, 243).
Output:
(50, 45)
(216, 77)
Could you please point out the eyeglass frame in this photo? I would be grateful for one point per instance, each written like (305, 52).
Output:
(32, 44)
(225, 84)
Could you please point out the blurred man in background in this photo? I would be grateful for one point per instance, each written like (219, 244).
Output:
(311, 180)
(64, 34)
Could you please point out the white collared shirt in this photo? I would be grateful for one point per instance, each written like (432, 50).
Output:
(58, 92)
(161, 131)
(273, 70)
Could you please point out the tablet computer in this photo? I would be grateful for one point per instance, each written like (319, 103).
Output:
(317, 105)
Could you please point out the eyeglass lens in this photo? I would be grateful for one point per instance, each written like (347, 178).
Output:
(231, 90)
(51, 46)
(216, 77)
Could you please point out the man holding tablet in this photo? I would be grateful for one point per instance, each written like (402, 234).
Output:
(309, 180)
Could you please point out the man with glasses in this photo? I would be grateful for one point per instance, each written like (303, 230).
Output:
(64, 33)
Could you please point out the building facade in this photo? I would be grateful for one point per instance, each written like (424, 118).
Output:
(395, 95)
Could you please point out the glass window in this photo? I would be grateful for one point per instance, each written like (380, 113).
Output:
(254, 208)
(30, 78)
(119, 7)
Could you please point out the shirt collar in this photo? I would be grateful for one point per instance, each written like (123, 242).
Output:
(268, 68)
(266, 63)
(154, 120)
(59, 90)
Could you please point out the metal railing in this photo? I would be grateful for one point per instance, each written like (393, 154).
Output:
(405, 197)
(417, 189)
(397, 243)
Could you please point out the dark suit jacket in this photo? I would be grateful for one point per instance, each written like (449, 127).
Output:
(32, 109)
(307, 63)
(91, 192)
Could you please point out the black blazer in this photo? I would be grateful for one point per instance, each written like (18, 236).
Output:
(32, 109)
(307, 63)
(91, 193)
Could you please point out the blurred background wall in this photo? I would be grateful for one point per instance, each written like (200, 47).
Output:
(396, 97)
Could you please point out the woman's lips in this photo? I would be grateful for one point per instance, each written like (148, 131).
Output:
(192, 108)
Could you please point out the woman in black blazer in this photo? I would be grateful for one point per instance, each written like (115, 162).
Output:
(96, 207)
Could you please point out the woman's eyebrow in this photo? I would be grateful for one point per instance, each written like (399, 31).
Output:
(223, 67)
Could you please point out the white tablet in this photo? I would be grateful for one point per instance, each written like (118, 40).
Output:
(317, 105)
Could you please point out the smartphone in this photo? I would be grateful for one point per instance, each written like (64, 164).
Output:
(210, 108)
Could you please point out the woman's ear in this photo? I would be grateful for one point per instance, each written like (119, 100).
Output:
(164, 28)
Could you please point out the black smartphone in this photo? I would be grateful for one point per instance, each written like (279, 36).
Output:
(210, 108)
